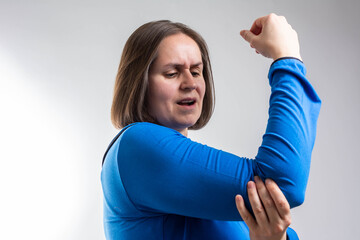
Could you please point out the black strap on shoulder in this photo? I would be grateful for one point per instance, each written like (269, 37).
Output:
(113, 141)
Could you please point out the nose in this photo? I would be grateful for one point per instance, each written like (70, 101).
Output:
(188, 82)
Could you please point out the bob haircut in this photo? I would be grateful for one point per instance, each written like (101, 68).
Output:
(131, 86)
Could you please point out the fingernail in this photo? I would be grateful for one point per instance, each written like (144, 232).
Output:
(268, 181)
(251, 184)
(256, 178)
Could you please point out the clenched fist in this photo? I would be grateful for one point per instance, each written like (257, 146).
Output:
(273, 37)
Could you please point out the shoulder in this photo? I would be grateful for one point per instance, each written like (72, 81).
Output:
(146, 149)
(143, 131)
(149, 138)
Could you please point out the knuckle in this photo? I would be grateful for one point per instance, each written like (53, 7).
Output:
(252, 42)
(249, 39)
(258, 210)
(246, 36)
(246, 217)
(272, 15)
(287, 220)
(268, 203)
(278, 228)
(284, 205)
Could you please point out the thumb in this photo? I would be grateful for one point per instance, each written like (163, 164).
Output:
(247, 35)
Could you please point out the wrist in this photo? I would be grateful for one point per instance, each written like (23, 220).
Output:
(287, 55)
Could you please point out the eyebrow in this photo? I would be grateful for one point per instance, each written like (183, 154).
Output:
(176, 65)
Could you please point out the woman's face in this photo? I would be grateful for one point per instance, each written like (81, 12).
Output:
(176, 83)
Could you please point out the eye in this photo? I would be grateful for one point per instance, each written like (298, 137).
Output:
(171, 74)
(195, 74)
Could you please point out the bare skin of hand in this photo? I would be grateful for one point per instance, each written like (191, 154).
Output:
(273, 37)
(271, 210)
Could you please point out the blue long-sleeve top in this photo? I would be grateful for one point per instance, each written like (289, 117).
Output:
(159, 184)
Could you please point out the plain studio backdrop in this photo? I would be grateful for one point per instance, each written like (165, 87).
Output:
(58, 61)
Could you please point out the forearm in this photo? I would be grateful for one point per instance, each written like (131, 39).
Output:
(285, 152)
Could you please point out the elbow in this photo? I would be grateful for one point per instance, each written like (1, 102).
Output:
(289, 173)
(295, 198)
(294, 190)
(292, 184)
(296, 185)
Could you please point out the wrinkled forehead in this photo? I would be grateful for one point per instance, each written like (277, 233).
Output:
(178, 49)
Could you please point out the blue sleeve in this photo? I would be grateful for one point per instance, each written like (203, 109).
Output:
(165, 172)
(291, 234)
(291, 129)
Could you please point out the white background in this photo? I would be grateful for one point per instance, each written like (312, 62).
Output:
(58, 61)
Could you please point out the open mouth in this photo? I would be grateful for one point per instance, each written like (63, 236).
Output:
(186, 102)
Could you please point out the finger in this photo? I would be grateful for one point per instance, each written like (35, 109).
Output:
(279, 199)
(244, 213)
(248, 36)
(267, 201)
(257, 25)
(283, 18)
(257, 207)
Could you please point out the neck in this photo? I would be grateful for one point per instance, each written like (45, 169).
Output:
(184, 132)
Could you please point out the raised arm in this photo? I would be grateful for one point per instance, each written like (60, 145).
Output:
(294, 107)
(164, 172)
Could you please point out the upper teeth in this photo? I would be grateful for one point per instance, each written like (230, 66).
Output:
(187, 101)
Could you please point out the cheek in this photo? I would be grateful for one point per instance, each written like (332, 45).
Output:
(160, 95)
(165, 92)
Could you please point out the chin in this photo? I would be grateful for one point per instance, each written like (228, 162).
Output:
(188, 124)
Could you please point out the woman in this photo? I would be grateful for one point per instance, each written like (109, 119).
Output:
(158, 184)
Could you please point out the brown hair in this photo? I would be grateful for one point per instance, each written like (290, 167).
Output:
(129, 103)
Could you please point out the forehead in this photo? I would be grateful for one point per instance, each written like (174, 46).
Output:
(178, 49)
